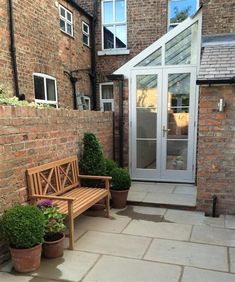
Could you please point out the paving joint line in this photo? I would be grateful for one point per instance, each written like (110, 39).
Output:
(229, 261)
(92, 267)
(148, 247)
(181, 273)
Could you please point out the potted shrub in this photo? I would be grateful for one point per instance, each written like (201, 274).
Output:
(23, 228)
(109, 166)
(121, 183)
(53, 246)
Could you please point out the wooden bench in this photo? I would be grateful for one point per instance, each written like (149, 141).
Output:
(59, 181)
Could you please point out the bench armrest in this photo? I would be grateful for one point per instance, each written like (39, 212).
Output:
(94, 177)
(105, 178)
(68, 199)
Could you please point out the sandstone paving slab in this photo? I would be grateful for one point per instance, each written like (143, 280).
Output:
(188, 254)
(187, 217)
(71, 267)
(113, 244)
(152, 187)
(232, 259)
(127, 270)
(136, 196)
(159, 230)
(213, 235)
(7, 277)
(149, 210)
(214, 221)
(171, 199)
(230, 221)
(191, 274)
(185, 189)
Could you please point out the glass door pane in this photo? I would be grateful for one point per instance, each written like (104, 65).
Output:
(146, 121)
(178, 101)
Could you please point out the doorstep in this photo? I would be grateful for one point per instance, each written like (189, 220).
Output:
(167, 195)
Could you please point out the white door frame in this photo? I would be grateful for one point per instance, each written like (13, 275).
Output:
(161, 174)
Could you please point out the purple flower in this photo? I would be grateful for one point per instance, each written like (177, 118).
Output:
(44, 203)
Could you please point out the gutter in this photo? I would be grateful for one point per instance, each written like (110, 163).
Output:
(13, 51)
(216, 81)
(79, 8)
(120, 79)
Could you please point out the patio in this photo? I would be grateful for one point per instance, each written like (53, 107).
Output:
(143, 244)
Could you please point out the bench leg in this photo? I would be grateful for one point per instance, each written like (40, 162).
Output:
(107, 206)
(71, 233)
(71, 226)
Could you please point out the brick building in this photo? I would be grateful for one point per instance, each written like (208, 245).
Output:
(50, 44)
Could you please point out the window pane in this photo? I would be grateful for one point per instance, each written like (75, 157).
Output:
(69, 18)
(50, 89)
(62, 25)
(69, 28)
(146, 154)
(62, 12)
(39, 88)
(155, 59)
(85, 28)
(108, 12)
(146, 122)
(177, 153)
(107, 106)
(85, 39)
(181, 9)
(108, 37)
(121, 36)
(119, 10)
(147, 91)
(107, 91)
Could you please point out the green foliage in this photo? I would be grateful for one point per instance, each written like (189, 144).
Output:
(92, 161)
(110, 165)
(54, 221)
(14, 101)
(180, 15)
(120, 179)
(22, 226)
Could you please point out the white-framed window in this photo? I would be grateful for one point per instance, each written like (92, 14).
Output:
(179, 10)
(114, 24)
(66, 20)
(86, 34)
(106, 97)
(86, 102)
(45, 89)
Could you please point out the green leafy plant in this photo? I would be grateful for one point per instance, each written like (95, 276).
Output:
(54, 220)
(14, 101)
(120, 179)
(110, 165)
(92, 161)
(22, 226)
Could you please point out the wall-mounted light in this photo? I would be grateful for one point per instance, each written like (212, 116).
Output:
(221, 105)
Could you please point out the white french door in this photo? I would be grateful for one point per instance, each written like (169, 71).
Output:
(162, 127)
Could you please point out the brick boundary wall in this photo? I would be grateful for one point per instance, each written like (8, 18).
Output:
(31, 137)
(216, 147)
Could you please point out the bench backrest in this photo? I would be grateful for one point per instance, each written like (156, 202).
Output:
(53, 178)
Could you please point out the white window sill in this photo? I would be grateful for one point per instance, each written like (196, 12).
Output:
(113, 52)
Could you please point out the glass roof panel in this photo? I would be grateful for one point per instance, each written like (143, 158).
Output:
(181, 49)
(154, 59)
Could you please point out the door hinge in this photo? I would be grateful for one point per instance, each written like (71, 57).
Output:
(193, 167)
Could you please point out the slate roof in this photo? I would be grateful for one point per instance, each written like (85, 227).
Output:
(218, 58)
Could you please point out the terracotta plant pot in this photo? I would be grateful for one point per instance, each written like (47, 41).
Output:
(53, 249)
(119, 198)
(26, 260)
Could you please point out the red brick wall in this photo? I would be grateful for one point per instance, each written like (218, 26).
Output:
(30, 137)
(42, 47)
(216, 144)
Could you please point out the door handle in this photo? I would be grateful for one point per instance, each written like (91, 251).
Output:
(165, 130)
